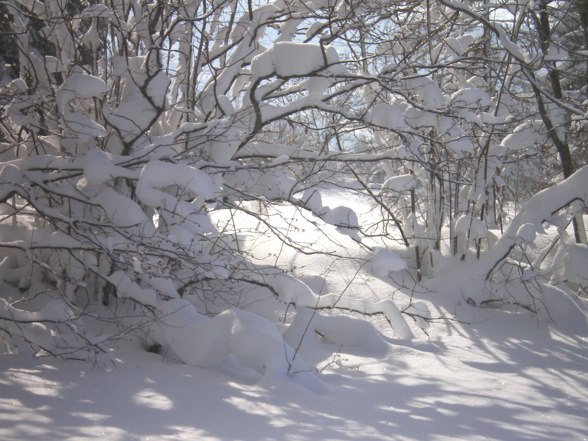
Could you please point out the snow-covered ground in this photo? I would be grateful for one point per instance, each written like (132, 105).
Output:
(491, 375)
(507, 380)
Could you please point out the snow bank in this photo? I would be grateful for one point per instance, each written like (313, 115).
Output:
(254, 340)
(574, 261)
(292, 290)
(341, 330)
(313, 200)
(343, 218)
(474, 227)
(194, 338)
(562, 309)
(384, 262)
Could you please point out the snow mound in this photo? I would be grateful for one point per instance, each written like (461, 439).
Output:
(345, 219)
(341, 216)
(342, 331)
(254, 340)
(475, 227)
(562, 310)
(313, 200)
(292, 290)
(384, 262)
(575, 264)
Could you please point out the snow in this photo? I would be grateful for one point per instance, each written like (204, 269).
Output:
(79, 85)
(527, 233)
(157, 176)
(125, 287)
(122, 211)
(541, 207)
(490, 375)
(427, 90)
(460, 44)
(160, 174)
(257, 298)
(341, 216)
(312, 199)
(55, 311)
(252, 339)
(460, 144)
(387, 116)
(83, 125)
(286, 59)
(466, 224)
(417, 118)
(525, 135)
(163, 285)
(471, 98)
(337, 330)
(494, 387)
(385, 261)
(99, 168)
(97, 10)
(575, 262)
(511, 47)
(270, 184)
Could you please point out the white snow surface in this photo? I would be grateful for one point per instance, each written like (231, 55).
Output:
(385, 261)
(490, 385)
(491, 375)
